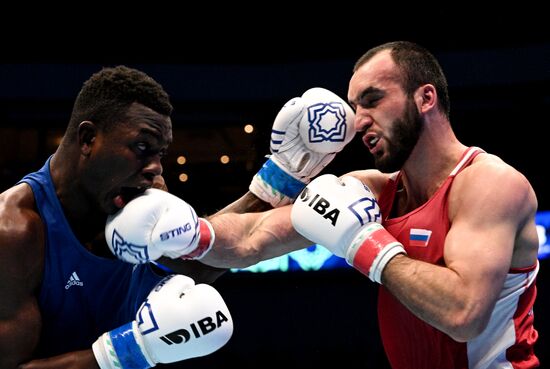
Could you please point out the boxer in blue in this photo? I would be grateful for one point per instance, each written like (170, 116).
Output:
(67, 302)
(60, 293)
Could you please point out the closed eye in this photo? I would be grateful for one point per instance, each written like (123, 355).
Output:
(371, 102)
(370, 97)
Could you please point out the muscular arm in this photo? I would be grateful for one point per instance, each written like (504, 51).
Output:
(490, 205)
(73, 360)
(209, 268)
(248, 203)
(21, 255)
(246, 239)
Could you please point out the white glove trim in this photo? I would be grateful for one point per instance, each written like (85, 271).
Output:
(372, 249)
(104, 353)
(382, 259)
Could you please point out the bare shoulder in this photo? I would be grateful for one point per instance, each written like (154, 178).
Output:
(499, 184)
(21, 267)
(21, 236)
(373, 178)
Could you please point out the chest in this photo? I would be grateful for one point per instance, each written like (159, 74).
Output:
(421, 228)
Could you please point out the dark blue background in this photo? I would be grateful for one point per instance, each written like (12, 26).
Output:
(223, 70)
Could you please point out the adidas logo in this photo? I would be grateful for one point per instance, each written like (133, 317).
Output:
(73, 281)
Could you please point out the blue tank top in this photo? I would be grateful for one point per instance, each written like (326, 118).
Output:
(82, 295)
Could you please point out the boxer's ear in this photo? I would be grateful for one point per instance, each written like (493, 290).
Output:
(87, 132)
(425, 98)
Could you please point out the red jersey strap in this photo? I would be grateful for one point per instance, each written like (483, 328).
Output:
(466, 159)
(387, 195)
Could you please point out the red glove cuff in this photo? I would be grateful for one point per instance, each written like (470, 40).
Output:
(372, 249)
(206, 240)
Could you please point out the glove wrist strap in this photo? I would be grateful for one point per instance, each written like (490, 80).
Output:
(119, 349)
(274, 185)
(372, 249)
(206, 240)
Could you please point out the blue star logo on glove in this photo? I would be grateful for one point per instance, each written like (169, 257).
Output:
(366, 210)
(327, 122)
(146, 319)
(129, 250)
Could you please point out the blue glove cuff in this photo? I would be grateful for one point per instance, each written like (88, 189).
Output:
(280, 180)
(127, 349)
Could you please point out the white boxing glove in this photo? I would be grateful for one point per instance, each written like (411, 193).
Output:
(306, 135)
(343, 216)
(178, 320)
(157, 224)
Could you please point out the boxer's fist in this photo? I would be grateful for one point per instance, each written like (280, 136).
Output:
(306, 135)
(178, 320)
(157, 224)
(343, 215)
(330, 211)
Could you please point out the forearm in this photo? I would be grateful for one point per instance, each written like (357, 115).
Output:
(248, 203)
(232, 247)
(437, 295)
(245, 239)
(20, 326)
(74, 360)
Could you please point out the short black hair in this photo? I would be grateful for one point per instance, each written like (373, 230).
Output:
(106, 96)
(418, 66)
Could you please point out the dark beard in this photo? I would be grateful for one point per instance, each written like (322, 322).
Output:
(406, 132)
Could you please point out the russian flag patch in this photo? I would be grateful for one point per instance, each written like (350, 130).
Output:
(419, 237)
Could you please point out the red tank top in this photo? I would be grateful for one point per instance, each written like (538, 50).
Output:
(409, 342)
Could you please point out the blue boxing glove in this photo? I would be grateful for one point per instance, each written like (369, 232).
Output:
(306, 135)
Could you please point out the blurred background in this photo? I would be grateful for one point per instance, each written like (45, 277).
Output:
(227, 82)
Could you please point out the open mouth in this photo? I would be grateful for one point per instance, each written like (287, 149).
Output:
(126, 195)
(370, 140)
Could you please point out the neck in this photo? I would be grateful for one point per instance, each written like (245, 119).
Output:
(431, 161)
(85, 219)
